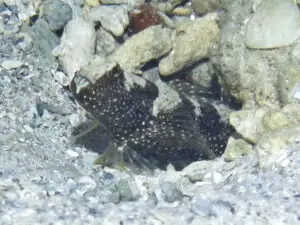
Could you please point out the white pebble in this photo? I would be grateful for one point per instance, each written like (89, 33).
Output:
(21, 139)
(285, 163)
(297, 95)
(72, 153)
(28, 128)
(2, 114)
(295, 92)
(61, 78)
(74, 120)
(192, 17)
(217, 177)
(11, 64)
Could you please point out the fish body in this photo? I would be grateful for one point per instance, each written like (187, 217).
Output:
(185, 133)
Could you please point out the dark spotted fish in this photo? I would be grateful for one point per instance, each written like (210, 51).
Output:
(179, 136)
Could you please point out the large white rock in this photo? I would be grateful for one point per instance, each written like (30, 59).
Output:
(275, 24)
(9, 64)
(77, 46)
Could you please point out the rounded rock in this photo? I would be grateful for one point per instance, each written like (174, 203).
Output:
(56, 13)
(201, 7)
(113, 18)
(193, 41)
(149, 44)
(144, 17)
(9, 64)
(275, 23)
(171, 192)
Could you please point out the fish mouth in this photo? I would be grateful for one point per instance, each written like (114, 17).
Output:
(79, 83)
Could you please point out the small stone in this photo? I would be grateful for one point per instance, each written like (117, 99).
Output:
(248, 123)
(222, 209)
(71, 183)
(202, 206)
(21, 139)
(85, 184)
(167, 99)
(72, 153)
(97, 67)
(182, 11)
(215, 177)
(74, 120)
(61, 78)
(201, 7)
(11, 116)
(275, 23)
(9, 64)
(105, 42)
(113, 18)
(193, 41)
(143, 47)
(107, 175)
(144, 17)
(28, 128)
(236, 148)
(88, 158)
(284, 163)
(295, 91)
(197, 170)
(168, 6)
(56, 13)
(24, 41)
(2, 114)
(128, 190)
(91, 3)
(171, 192)
(203, 73)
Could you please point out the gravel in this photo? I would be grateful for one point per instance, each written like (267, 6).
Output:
(46, 179)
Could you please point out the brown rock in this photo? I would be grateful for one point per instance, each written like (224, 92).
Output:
(144, 17)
